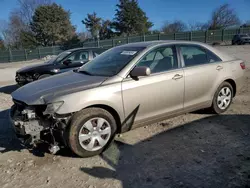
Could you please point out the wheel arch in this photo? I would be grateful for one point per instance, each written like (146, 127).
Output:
(112, 111)
(233, 84)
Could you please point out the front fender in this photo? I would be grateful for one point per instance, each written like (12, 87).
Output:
(109, 95)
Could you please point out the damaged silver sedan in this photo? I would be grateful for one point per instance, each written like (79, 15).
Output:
(123, 88)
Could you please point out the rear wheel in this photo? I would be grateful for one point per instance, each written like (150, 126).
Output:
(91, 131)
(223, 98)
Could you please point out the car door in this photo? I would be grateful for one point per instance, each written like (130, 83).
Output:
(202, 72)
(152, 97)
(76, 59)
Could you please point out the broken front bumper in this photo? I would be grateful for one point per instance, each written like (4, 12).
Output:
(27, 130)
(32, 129)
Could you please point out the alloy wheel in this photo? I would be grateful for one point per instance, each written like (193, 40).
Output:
(224, 98)
(94, 134)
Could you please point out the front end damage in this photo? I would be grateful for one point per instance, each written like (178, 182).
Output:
(33, 125)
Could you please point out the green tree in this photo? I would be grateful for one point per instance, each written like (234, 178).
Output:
(51, 25)
(130, 18)
(93, 24)
(106, 30)
(74, 42)
(28, 39)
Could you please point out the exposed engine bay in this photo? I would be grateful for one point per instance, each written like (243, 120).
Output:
(33, 126)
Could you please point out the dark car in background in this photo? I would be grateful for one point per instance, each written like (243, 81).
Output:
(241, 39)
(65, 61)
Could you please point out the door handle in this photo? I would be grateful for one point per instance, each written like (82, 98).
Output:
(177, 76)
(219, 67)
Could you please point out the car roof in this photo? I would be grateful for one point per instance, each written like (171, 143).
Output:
(149, 44)
(157, 42)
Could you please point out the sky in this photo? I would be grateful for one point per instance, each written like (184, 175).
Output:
(158, 11)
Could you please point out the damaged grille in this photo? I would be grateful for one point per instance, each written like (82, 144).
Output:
(20, 106)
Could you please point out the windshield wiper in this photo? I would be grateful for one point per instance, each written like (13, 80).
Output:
(85, 72)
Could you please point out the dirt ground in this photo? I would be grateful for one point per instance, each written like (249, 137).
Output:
(203, 150)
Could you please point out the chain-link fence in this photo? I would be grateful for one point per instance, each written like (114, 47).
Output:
(209, 36)
(25, 55)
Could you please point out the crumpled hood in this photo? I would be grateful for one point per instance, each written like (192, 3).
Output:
(42, 91)
(31, 67)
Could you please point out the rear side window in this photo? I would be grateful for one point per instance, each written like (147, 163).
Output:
(195, 55)
(84, 55)
(98, 52)
(212, 57)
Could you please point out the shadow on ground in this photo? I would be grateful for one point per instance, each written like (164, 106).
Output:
(8, 140)
(211, 152)
(8, 89)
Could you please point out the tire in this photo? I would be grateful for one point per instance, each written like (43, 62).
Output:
(90, 117)
(43, 76)
(222, 102)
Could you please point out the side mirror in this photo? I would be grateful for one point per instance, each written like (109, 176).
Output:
(67, 62)
(140, 71)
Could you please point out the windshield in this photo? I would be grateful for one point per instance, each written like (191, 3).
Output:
(245, 35)
(111, 62)
(61, 56)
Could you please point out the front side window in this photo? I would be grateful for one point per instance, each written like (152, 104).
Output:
(61, 56)
(111, 62)
(160, 60)
(78, 56)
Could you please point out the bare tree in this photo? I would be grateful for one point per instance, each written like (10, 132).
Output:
(176, 26)
(83, 36)
(19, 21)
(27, 8)
(223, 17)
(246, 24)
(198, 26)
(5, 32)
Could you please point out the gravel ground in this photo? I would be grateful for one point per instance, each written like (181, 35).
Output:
(203, 150)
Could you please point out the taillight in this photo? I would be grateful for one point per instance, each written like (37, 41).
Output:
(242, 65)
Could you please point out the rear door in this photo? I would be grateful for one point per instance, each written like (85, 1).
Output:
(203, 72)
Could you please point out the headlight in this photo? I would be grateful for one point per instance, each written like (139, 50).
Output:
(55, 70)
(53, 107)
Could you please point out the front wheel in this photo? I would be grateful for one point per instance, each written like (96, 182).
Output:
(223, 98)
(91, 131)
